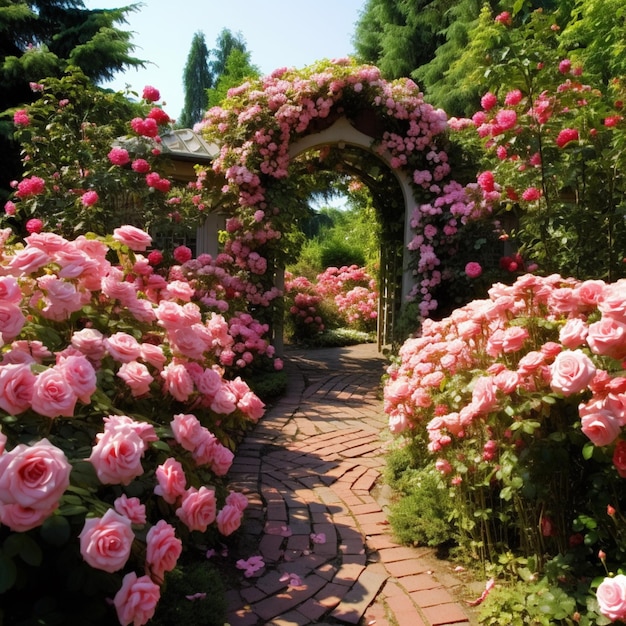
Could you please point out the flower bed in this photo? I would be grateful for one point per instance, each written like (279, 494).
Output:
(519, 400)
(117, 421)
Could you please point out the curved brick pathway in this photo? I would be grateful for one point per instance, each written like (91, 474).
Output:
(311, 467)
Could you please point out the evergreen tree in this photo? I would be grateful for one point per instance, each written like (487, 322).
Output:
(225, 44)
(236, 71)
(42, 38)
(197, 79)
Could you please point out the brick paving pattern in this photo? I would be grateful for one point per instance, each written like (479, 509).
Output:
(311, 471)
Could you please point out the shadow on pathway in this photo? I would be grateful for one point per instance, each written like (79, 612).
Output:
(309, 469)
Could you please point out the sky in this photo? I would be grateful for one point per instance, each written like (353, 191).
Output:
(278, 33)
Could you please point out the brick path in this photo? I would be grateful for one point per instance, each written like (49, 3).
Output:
(311, 467)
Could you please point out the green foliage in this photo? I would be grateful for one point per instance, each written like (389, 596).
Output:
(421, 514)
(237, 70)
(193, 578)
(73, 126)
(196, 80)
(336, 253)
(267, 385)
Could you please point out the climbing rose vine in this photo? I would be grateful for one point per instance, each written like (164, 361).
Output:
(259, 122)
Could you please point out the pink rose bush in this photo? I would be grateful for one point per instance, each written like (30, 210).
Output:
(118, 417)
(522, 413)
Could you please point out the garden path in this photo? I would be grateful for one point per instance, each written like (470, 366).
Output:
(310, 467)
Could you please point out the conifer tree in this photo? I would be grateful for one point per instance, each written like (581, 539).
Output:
(197, 79)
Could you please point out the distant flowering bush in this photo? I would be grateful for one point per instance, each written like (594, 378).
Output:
(520, 401)
(303, 304)
(550, 140)
(117, 420)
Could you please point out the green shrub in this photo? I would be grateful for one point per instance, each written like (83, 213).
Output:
(335, 253)
(195, 578)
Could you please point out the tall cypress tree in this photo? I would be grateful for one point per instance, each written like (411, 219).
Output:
(197, 79)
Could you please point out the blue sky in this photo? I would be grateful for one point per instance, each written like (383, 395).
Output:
(278, 33)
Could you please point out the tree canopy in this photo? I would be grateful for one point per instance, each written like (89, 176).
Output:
(197, 78)
(42, 38)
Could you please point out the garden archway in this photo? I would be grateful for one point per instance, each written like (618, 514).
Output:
(263, 125)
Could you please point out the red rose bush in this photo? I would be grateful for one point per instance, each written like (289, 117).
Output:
(117, 417)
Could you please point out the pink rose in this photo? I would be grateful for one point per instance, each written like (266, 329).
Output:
(224, 401)
(10, 290)
(123, 347)
(116, 456)
(28, 260)
(136, 600)
(80, 374)
(228, 520)
(34, 476)
(513, 338)
(251, 405)
(507, 381)
(611, 596)
(163, 548)
(484, 395)
(607, 338)
(574, 333)
(172, 481)
(105, 542)
(136, 376)
(612, 301)
(598, 423)
(53, 396)
(20, 519)
(590, 291)
(204, 451)
(238, 499)
(222, 460)
(123, 423)
(178, 382)
(187, 430)
(135, 238)
(16, 387)
(153, 355)
(90, 342)
(12, 321)
(198, 508)
(208, 382)
(131, 508)
(571, 372)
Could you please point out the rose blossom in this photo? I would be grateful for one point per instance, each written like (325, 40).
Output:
(136, 601)
(607, 337)
(163, 548)
(574, 333)
(238, 499)
(135, 238)
(105, 542)
(116, 456)
(53, 395)
(513, 338)
(571, 372)
(598, 423)
(228, 520)
(12, 321)
(198, 508)
(34, 476)
(222, 459)
(178, 382)
(172, 480)
(473, 269)
(80, 374)
(611, 596)
(123, 347)
(187, 430)
(131, 508)
(20, 519)
(16, 387)
(136, 376)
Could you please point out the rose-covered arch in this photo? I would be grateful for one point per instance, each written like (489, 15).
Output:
(270, 129)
